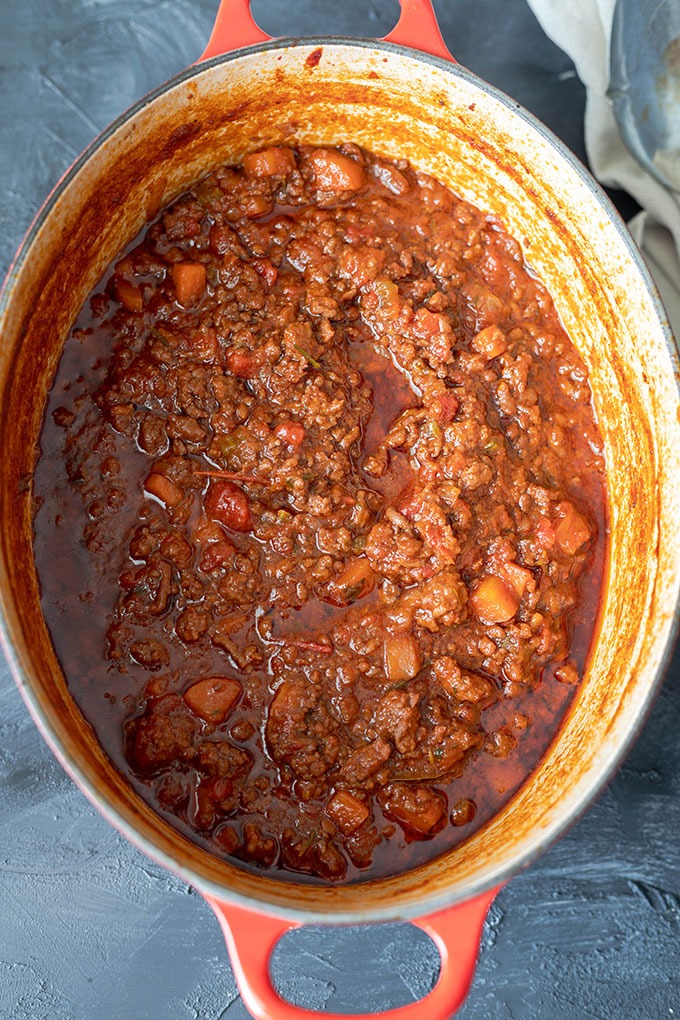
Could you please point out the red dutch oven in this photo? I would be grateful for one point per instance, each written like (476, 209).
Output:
(399, 96)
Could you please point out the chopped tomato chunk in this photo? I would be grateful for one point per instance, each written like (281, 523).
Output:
(226, 503)
(545, 533)
(519, 578)
(292, 433)
(448, 405)
(267, 270)
(216, 555)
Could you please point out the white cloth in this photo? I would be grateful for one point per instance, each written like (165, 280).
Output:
(582, 28)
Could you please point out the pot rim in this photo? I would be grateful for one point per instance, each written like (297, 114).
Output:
(428, 903)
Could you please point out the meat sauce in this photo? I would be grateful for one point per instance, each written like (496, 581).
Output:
(320, 515)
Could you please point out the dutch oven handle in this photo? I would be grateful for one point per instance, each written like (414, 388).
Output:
(235, 27)
(251, 938)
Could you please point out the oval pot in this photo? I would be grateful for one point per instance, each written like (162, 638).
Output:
(418, 104)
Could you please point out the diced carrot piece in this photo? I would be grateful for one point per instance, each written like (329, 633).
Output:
(401, 656)
(226, 503)
(162, 488)
(490, 342)
(273, 162)
(517, 577)
(353, 583)
(189, 279)
(335, 172)
(292, 433)
(257, 205)
(347, 811)
(493, 601)
(213, 698)
(129, 296)
(572, 531)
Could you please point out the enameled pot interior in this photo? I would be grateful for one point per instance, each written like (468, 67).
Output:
(446, 122)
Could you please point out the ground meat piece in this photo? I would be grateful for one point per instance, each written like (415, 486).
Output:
(153, 437)
(397, 717)
(173, 791)
(501, 743)
(461, 683)
(258, 847)
(143, 543)
(192, 624)
(299, 731)
(149, 653)
(175, 547)
(439, 601)
(183, 220)
(361, 844)
(366, 760)
(183, 427)
(395, 553)
(314, 852)
(442, 751)
(164, 733)
(221, 758)
(194, 393)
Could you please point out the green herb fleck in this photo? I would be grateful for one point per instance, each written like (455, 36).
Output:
(159, 336)
(307, 356)
(308, 843)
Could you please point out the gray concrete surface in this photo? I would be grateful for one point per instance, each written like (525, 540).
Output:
(92, 930)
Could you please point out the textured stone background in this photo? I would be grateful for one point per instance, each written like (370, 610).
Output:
(90, 929)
